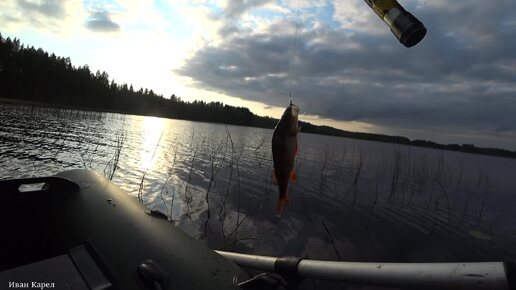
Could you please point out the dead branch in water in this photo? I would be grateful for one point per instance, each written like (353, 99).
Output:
(323, 168)
(447, 203)
(482, 206)
(140, 189)
(189, 197)
(468, 197)
(331, 237)
(214, 168)
(377, 184)
(326, 228)
(112, 165)
(396, 170)
(499, 215)
(235, 241)
(222, 210)
(239, 223)
(169, 172)
(357, 175)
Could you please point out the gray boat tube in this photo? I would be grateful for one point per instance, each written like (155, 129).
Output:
(77, 228)
(476, 275)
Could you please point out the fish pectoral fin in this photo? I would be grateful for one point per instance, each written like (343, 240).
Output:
(274, 178)
(293, 177)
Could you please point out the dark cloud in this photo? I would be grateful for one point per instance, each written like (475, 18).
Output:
(50, 8)
(46, 14)
(101, 22)
(7, 19)
(235, 8)
(462, 75)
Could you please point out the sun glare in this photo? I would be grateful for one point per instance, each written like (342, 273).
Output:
(152, 130)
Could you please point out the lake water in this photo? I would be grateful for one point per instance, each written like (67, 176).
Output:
(353, 200)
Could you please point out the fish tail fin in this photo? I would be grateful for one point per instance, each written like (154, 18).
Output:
(293, 177)
(281, 204)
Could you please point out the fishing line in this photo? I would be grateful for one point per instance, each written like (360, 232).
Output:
(293, 59)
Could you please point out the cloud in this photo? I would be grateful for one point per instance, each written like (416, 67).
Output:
(348, 66)
(235, 8)
(54, 16)
(354, 16)
(50, 8)
(462, 75)
(100, 21)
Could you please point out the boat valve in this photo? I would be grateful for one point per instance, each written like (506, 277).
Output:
(153, 275)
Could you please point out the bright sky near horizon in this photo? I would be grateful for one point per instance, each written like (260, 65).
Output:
(457, 86)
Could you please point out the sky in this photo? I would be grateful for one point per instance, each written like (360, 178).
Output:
(344, 69)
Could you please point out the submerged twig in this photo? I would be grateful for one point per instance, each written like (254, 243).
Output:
(140, 190)
(214, 166)
(447, 203)
(236, 241)
(377, 184)
(170, 172)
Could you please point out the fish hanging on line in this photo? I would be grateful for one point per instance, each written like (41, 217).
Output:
(284, 151)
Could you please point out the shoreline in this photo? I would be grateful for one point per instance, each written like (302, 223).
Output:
(464, 148)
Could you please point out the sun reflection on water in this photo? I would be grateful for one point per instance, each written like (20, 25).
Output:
(152, 129)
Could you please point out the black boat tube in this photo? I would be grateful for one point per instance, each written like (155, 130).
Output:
(477, 275)
(405, 26)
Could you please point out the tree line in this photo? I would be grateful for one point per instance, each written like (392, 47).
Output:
(34, 75)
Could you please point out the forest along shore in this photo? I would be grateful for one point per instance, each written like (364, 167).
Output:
(33, 76)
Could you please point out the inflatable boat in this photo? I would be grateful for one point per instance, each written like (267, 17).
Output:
(76, 230)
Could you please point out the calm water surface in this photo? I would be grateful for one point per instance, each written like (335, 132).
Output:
(354, 200)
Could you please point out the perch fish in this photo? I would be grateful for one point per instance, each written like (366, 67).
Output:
(284, 151)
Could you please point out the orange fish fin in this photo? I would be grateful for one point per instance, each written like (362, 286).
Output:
(293, 177)
(281, 204)
(274, 179)
(279, 209)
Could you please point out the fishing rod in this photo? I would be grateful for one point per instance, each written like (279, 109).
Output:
(471, 275)
(405, 26)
